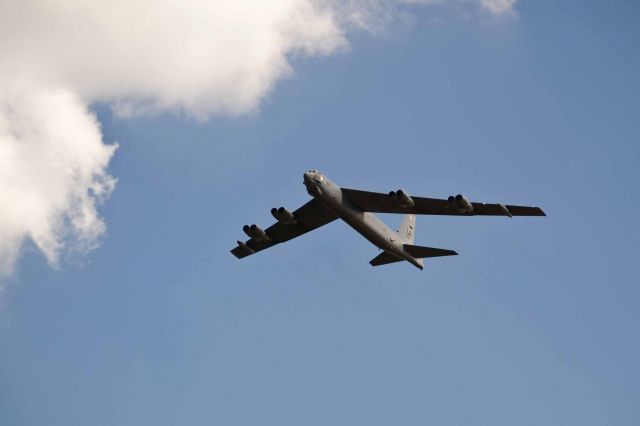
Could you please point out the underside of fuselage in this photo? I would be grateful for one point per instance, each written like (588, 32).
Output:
(366, 224)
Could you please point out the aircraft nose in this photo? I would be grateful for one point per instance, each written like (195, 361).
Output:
(307, 177)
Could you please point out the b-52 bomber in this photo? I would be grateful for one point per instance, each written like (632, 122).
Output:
(357, 208)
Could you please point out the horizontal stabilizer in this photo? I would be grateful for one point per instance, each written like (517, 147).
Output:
(384, 258)
(420, 252)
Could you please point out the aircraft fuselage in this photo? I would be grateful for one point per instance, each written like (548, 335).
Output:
(366, 224)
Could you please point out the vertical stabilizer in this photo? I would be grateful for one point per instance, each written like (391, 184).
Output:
(408, 228)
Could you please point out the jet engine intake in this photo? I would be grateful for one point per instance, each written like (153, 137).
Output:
(402, 198)
(255, 232)
(463, 203)
(283, 216)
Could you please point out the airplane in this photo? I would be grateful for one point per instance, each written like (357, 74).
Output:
(357, 208)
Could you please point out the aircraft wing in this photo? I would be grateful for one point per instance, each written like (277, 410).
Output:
(310, 216)
(377, 202)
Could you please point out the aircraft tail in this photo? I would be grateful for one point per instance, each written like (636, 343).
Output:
(408, 228)
(407, 234)
(417, 252)
(385, 258)
(420, 252)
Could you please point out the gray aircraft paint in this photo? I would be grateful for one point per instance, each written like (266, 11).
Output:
(366, 224)
(357, 208)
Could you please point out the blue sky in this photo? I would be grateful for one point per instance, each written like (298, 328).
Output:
(534, 323)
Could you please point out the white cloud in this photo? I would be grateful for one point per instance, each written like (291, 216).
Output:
(196, 57)
(52, 173)
(199, 56)
(499, 7)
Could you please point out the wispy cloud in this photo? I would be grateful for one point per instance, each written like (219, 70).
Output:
(499, 7)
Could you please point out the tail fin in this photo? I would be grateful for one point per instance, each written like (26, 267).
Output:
(408, 228)
(384, 258)
(420, 252)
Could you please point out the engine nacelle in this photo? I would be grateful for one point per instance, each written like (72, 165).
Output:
(255, 232)
(283, 216)
(402, 198)
(246, 248)
(463, 203)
